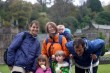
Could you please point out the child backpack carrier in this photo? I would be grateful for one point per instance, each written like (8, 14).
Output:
(60, 42)
(5, 53)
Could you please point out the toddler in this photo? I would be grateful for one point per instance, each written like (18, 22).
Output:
(60, 66)
(43, 65)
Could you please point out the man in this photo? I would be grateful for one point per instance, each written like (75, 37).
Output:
(85, 54)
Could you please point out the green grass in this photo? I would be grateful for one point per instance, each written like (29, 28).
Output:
(4, 69)
(107, 55)
(104, 68)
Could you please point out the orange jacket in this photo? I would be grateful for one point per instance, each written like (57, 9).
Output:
(55, 47)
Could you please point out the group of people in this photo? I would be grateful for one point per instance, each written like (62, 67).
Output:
(25, 54)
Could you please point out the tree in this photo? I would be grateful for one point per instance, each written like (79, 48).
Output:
(36, 9)
(85, 21)
(2, 10)
(61, 9)
(107, 8)
(101, 36)
(43, 4)
(72, 22)
(21, 11)
(43, 19)
(103, 17)
(95, 5)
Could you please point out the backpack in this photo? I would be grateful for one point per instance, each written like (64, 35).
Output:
(5, 53)
(60, 42)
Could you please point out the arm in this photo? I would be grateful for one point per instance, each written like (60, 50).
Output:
(13, 47)
(38, 51)
(97, 46)
(68, 36)
(70, 47)
(48, 70)
(44, 47)
(64, 41)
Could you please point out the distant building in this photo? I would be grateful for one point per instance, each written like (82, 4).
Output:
(93, 31)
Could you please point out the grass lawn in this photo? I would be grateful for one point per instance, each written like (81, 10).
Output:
(4, 69)
(104, 68)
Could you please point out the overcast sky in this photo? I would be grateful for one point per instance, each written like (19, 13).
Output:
(77, 2)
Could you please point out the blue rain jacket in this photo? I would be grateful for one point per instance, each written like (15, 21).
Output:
(23, 52)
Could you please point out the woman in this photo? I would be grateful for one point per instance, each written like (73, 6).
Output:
(52, 44)
(24, 49)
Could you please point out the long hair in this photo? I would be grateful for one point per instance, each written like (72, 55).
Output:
(53, 25)
(43, 58)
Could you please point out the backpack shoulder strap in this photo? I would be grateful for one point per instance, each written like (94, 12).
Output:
(46, 40)
(60, 39)
(24, 36)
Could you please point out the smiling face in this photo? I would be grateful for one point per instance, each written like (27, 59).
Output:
(51, 29)
(34, 28)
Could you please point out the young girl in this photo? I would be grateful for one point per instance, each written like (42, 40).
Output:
(60, 66)
(43, 65)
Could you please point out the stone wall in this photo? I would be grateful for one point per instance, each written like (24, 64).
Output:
(6, 36)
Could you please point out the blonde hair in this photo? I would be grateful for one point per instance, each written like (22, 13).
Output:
(53, 25)
(60, 53)
(43, 58)
(61, 26)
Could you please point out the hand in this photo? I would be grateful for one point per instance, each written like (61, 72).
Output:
(53, 57)
(71, 56)
(43, 67)
(94, 56)
(30, 72)
(58, 70)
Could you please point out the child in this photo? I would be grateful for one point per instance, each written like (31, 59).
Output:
(43, 65)
(65, 32)
(60, 66)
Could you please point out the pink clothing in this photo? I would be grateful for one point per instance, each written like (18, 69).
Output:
(40, 70)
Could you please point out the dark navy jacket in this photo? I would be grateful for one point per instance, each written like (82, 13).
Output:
(92, 47)
(28, 49)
